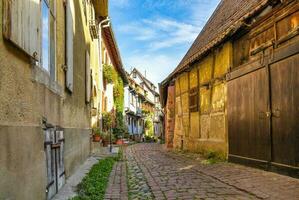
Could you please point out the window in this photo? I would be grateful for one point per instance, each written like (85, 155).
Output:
(48, 37)
(132, 98)
(193, 99)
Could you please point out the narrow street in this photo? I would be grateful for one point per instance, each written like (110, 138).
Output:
(149, 99)
(154, 173)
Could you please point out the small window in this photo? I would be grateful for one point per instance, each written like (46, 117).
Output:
(193, 99)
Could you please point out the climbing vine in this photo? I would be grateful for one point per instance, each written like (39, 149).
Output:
(118, 94)
(112, 77)
(109, 73)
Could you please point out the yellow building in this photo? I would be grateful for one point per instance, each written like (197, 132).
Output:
(49, 53)
(234, 84)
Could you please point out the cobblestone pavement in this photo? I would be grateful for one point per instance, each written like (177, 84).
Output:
(138, 186)
(175, 176)
(117, 186)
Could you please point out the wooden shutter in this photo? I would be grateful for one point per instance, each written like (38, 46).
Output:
(60, 159)
(69, 44)
(54, 149)
(87, 77)
(21, 25)
(50, 163)
(193, 99)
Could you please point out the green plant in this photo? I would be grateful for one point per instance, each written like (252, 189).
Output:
(97, 131)
(147, 124)
(106, 136)
(118, 94)
(109, 73)
(212, 157)
(107, 120)
(94, 185)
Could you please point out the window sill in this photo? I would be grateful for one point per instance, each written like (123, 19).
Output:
(41, 76)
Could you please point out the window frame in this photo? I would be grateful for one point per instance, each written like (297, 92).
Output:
(193, 100)
(51, 68)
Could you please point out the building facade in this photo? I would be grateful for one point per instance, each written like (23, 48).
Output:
(134, 99)
(143, 110)
(231, 88)
(49, 77)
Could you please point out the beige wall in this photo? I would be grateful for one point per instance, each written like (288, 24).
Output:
(27, 95)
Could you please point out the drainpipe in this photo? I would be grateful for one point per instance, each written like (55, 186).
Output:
(101, 88)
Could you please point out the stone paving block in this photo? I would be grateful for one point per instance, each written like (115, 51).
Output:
(181, 177)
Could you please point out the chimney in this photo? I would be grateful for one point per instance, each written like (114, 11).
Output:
(145, 73)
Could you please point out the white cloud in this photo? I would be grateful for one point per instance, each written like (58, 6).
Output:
(157, 42)
(161, 33)
(157, 67)
(134, 29)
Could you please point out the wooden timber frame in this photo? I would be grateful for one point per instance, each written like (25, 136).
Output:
(196, 92)
(263, 94)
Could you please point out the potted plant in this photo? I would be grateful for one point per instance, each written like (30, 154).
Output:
(96, 134)
(106, 138)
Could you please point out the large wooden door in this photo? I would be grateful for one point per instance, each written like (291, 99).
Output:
(263, 111)
(54, 148)
(248, 125)
(285, 111)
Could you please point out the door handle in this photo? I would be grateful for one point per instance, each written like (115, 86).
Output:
(268, 114)
(263, 115)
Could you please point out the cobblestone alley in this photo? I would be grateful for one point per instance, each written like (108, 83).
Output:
(154, 173)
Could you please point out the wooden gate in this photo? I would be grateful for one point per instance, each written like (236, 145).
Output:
(263, 111)
(54, 148)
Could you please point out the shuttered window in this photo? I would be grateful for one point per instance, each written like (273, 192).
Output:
(69, 44)
(193, 99)
(21, 25)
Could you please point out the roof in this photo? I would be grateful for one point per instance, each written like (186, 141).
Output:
(226, 19)
(132, 81)
(114, 50)
(147, 82)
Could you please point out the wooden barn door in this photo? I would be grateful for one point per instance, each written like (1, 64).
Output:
(248, 119)
(285, 111)
(54, 148)
(263, 111)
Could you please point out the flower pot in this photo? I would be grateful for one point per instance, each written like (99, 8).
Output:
(96, 138)
(105, 143)
(119, 142)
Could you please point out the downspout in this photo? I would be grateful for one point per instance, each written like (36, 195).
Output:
(101, 88)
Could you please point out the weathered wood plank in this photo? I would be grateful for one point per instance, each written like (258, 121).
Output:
(21, 25)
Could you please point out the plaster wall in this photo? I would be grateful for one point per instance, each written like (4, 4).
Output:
(28, 96)
(206, 128)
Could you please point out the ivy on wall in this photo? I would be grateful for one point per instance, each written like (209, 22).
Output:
(112, 77)
(109, 73)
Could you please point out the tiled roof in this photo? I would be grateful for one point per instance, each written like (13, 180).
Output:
(226, 19)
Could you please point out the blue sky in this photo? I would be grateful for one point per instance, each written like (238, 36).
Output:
(154, 35)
